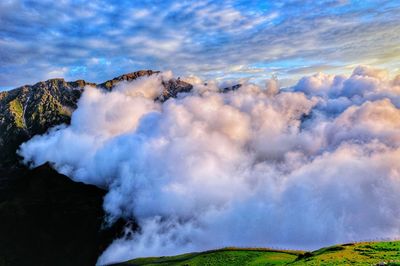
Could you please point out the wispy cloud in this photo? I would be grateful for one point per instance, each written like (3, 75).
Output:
(205, 38)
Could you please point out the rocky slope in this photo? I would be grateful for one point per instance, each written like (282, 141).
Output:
(32, 109)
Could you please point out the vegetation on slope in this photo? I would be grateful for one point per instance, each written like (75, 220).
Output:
(365, 253)
(17, 111)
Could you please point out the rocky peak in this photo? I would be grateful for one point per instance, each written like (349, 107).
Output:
(127, 77)
(230, 88)
(172, 87)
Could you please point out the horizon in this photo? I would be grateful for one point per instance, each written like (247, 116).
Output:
(282, 84)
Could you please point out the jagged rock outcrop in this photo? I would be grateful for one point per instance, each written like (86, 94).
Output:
(127, 77)
(230, 88)
(172, 87)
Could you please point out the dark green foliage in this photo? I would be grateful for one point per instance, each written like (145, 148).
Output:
(304, 255)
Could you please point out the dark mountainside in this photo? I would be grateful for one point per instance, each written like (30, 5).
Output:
(47, 219)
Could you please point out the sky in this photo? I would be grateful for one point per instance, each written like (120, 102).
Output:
(98, 40)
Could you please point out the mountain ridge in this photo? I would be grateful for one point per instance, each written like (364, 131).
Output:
(29, 110)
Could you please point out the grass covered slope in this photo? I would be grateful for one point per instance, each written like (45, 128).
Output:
(365, 253)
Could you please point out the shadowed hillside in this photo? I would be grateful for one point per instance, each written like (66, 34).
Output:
(45, 216)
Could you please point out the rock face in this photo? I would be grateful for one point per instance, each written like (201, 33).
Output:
(127, 77)
(30, 110)
(172, 88)
(231, 88)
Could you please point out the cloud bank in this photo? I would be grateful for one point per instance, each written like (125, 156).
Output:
(302, 167)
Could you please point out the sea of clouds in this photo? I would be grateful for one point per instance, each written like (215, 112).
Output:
(300, 167)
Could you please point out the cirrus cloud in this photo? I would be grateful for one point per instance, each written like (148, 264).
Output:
(230, 39)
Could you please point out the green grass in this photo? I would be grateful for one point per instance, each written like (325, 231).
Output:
(17, 111)
(363, 253)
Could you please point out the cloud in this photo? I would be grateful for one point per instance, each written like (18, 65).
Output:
(301, 167)
(204, 38)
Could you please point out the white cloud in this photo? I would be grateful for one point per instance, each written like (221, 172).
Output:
(303, 167)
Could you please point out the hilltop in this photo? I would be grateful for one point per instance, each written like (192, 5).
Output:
(364, 253)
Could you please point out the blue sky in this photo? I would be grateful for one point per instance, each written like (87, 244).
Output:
(98, 40)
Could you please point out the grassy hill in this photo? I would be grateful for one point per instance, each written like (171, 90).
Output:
(364, 253)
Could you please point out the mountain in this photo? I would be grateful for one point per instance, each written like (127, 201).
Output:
(32, 109)
(46, 218)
